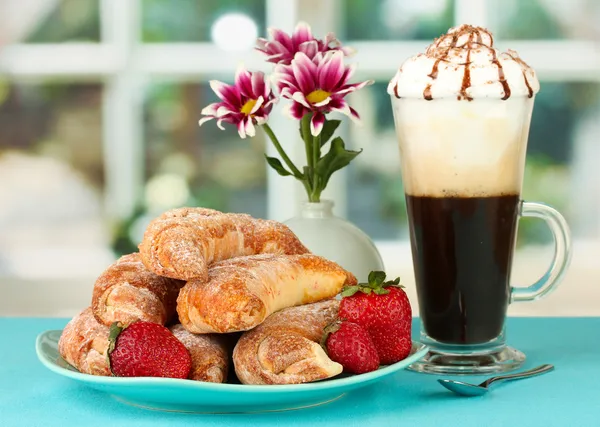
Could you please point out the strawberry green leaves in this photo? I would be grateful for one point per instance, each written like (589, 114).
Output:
(113, 333)
(328, 330)
(377, 277)
(376, 284)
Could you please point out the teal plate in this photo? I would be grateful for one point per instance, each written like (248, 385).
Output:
(169, 394)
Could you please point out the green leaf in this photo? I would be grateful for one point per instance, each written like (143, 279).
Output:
(328, 130)
(328, 330)
(275, 163)
(348, 291)
(365, 290)
(336, 158)
(395, 282)
(376, 278)
(113, 333)
(381, 291)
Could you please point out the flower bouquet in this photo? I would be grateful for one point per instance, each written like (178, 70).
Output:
(312, 75)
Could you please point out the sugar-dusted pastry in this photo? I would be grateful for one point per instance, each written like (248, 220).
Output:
(127, 291)
(285, 348)
(83, 344)
(209, 352)
(241, 292)
(183, 243)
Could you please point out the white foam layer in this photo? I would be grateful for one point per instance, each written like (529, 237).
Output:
(467, 149)
(464, 64)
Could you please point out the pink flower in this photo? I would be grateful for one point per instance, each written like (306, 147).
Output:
(318, 86)
(245, 103)
(282, 48)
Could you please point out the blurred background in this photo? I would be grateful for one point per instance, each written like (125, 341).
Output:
(99, 103)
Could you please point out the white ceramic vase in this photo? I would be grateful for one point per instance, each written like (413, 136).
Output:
(336, 239)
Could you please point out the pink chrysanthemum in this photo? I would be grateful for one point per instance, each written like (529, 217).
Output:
(245, 103)
(282, 48)
(318, 86)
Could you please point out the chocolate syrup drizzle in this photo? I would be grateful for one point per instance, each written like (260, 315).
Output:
(501, 76)
(469, 46)
(466, 81)
(475, 41)
(524, 67)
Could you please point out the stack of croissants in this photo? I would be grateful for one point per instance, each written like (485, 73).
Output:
(232, 288)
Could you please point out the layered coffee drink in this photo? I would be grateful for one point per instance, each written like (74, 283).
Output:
(462, 112)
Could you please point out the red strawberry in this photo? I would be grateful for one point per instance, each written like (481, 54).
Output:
(145, 349)
(384, 310)
(351, 346)
(393, 344)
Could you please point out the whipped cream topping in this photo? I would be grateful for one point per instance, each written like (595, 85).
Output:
(464, 64)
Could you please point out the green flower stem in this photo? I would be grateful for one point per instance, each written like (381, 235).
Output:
(316, 153)
(305, 123)
(308, 141)
(295, 171)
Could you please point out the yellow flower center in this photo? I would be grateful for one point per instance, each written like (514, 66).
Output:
(317, 96)
(248, 106)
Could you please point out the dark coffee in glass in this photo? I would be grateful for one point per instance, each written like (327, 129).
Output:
(470, 242)
(462, 169)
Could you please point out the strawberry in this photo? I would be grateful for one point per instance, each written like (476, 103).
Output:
(145, 349)
(351, 346)
(393, 344)
(384, 310)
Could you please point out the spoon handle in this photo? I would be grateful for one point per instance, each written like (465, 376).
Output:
(519, 375)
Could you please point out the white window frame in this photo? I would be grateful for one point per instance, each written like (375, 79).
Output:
(124, 64)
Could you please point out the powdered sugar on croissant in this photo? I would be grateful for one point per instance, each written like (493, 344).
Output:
(183, 243)
(84, 343)
(210, 358)
(127, 291)
(285, 348)
(241, 292)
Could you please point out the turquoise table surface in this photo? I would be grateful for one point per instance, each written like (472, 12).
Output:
(32, 396)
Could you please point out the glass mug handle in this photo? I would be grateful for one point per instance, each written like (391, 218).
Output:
(562, 252)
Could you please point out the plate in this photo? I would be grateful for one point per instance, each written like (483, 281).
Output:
(178, 395)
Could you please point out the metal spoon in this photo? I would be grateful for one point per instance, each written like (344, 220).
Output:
(466, 389)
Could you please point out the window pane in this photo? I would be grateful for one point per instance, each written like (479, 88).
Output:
(43, 21)
(194, 20)
(561, 161)
(395, 19)
(188, 165)
(51, 181)
(544, 19)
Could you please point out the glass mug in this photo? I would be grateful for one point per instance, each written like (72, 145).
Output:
(462, 166)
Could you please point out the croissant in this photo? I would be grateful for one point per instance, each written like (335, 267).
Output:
(182, 243)
(210, 355)
(285, 348)
(127, 291)
(84, 343)
(241, 292)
